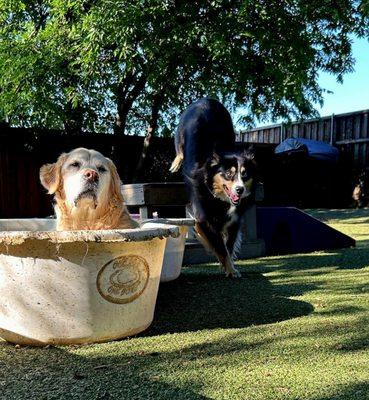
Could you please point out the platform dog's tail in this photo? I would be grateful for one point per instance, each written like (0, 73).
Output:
(177, 162)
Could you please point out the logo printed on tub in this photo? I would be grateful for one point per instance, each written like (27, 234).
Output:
(123, 279)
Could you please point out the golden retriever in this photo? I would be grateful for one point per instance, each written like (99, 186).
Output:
(86, 188)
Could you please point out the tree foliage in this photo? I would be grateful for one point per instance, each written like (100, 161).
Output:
(124, 65)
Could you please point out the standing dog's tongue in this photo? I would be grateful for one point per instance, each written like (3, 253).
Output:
(234, 197)
(231, 195)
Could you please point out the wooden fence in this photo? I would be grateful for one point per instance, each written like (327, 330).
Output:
(24, 151)
(349, 132)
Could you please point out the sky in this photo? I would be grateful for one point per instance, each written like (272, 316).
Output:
(353, 93)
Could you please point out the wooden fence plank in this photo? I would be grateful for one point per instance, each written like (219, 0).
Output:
(349, 129)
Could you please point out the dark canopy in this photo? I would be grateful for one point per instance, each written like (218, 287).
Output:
(313, 148)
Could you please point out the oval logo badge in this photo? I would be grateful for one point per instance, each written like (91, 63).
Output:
(123, 279)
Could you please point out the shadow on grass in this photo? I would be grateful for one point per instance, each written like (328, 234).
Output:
(354, 258)
(119, 372)
(59, 373)
(358, 339)
(354, 391)
(342, 215)
(362, 243)
(342, 310)
(145, 369)
(207, 301)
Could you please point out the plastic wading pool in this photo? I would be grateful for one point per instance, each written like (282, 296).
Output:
(174, 248)
(74, 287)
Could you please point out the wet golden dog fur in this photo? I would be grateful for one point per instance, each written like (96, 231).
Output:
(86, 189)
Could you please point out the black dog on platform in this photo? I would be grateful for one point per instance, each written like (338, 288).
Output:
(219, 181)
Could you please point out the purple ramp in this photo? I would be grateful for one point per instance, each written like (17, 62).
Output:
(288, 230)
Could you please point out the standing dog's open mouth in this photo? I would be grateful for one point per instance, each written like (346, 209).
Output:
(235, 198)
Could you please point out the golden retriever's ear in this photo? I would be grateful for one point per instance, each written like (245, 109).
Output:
(50, 174)
(116, 183)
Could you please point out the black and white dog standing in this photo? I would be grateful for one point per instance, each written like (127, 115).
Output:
(219, 181)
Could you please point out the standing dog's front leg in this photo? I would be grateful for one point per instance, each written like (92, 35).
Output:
(215, 241)
(231, 237)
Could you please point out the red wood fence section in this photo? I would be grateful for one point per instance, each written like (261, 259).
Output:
(24, 151)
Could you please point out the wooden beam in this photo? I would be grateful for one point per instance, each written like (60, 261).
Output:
(353, 141)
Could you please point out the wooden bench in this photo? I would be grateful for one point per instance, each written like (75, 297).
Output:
(150, 197)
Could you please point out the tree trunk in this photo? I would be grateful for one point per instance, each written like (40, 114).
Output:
(125, 100)
(73, 123)
(121, 118)
(151, 130)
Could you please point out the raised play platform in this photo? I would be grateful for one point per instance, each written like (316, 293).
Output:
(288, 230)
(266, 230)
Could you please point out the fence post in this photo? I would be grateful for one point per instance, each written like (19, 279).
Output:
(281, 138)
(332, 125)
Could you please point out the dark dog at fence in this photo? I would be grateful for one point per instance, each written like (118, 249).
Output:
(219, 181)
(360, 194)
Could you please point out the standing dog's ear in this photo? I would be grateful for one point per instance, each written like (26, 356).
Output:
(116, 183)
(50, 174)
(249, 153)
(215, 160)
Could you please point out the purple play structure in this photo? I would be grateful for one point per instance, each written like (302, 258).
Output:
(288, 230)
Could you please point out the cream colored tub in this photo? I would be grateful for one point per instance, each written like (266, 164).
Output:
(77, 286)
(174, 249)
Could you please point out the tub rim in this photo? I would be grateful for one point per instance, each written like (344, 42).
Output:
(105, 236)
(171, 221)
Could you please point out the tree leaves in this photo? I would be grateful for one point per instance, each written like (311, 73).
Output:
(60, 58)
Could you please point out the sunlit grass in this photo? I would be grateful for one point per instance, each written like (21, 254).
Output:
(353, 222)
(294, 327)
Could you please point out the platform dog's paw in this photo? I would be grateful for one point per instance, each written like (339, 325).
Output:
(235, 273)
(230, 270)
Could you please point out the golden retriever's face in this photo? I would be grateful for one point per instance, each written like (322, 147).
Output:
(84, 179)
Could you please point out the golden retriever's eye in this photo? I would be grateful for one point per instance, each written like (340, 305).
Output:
(101, 169)
(75, 164)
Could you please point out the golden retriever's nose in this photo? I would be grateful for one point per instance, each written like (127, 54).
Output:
(91, 175)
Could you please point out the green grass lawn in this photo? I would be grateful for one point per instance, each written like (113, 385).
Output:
(294, 327)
